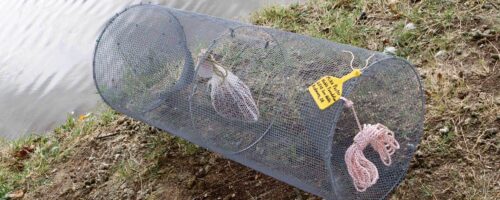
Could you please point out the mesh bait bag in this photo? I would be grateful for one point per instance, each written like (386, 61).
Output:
(334, 120)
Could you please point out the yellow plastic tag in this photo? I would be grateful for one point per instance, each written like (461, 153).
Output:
(327, 90)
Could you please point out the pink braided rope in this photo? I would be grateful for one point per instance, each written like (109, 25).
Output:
(363, 172)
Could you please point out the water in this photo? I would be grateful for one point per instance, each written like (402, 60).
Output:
(46, 55)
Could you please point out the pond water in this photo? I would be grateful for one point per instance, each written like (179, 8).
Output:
(46, 55)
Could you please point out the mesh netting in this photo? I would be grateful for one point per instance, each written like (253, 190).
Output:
(242, 91)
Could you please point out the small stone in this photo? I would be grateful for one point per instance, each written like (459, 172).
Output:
(18, 194)
(410, 26)
(390, 50)
(440, 54)
(104, 166)
(495, 56)
(467, 121)
(444, 130)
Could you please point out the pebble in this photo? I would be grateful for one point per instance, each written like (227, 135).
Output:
(444, 130)
(19, 194)
(410, 26)
(440, 54)
(390, 50)
(495, 56)
(104, 166)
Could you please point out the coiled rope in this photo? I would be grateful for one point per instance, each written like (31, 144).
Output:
(362, 171)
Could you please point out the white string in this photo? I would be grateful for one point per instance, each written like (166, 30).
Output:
(352, 60)
(366, 62)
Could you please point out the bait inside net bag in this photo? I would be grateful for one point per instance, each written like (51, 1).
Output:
(285, 104)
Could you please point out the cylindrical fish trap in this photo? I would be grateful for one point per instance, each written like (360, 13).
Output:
(285, 104)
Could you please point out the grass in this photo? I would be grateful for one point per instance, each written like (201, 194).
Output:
(29, 163)
(461, 86)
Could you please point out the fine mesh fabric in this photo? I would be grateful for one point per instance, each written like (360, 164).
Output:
(241, 91)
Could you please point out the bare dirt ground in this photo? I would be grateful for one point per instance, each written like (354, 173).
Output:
(126, 159)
